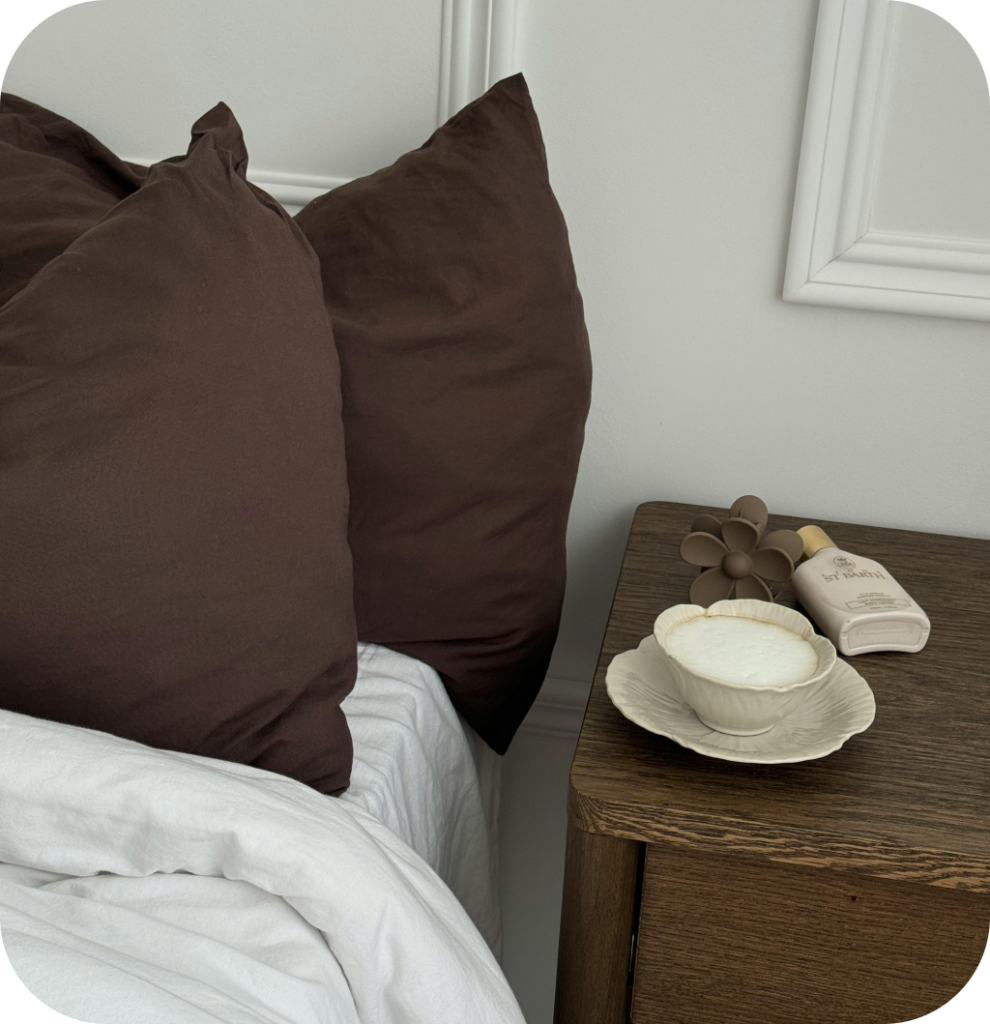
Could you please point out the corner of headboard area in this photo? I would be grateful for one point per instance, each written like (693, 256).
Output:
(323, 115)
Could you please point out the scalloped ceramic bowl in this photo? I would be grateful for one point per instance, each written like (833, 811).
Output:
(743, 709)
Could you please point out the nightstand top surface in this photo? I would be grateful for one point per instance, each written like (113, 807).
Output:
(908, 799)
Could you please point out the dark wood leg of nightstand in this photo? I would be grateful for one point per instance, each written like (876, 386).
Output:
(596, 929)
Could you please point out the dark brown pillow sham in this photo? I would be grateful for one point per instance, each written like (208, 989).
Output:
(466, 374)
(174, 568)
(56, 181)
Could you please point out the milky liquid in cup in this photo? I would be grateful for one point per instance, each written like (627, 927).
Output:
(743, 651)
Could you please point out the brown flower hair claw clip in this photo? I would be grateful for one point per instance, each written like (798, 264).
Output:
(738, 559)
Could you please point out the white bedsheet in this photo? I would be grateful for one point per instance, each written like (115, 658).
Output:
(146, 887)
(423, 772)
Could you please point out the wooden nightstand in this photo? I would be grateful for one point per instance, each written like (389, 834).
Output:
(854, 889)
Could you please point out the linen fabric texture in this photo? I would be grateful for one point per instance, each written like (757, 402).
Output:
(150, 886)
(466, 375)
(173, 500)
(56, 182)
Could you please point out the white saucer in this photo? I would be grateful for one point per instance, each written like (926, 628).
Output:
(641, 687)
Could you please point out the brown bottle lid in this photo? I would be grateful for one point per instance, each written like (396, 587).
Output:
(815, 538)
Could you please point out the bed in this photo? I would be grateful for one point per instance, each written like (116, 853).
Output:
(112, 909)
(234, 444)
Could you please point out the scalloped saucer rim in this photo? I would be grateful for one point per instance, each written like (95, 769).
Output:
(841, 706)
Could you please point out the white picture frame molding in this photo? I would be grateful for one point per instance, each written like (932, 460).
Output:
(834, 259)
(477, 49)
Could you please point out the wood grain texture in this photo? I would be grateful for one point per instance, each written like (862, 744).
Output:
(596, 929)
(786, 844)
(723, 940)
(907, 800)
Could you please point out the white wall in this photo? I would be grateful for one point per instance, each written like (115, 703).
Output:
(673, 131)
(325, 88)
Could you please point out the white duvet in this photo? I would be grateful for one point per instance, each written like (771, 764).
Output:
(140, 886)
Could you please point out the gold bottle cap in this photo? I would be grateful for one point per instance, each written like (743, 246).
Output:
(815, 538)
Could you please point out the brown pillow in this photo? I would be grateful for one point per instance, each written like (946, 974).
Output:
(56, 181)
(466, 376)
(174, 570)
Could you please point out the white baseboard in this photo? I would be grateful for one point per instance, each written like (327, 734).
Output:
(559, 709)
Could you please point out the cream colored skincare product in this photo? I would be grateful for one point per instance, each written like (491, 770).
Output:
(857, 604)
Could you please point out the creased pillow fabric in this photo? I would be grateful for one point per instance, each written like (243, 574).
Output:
(466, 382)
(173, 499)
(56, 182)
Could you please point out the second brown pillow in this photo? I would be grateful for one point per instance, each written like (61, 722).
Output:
(466, 381)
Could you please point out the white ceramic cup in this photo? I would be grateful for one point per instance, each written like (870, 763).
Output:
(743, 709)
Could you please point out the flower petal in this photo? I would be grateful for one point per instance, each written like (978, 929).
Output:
(707, 524)
(754, 588)
(703, 549)
(750, 507)
(772, 564)
(709, 587)
(740, 535)
(787, 540)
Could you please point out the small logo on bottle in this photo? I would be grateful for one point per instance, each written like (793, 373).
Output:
(844, 563)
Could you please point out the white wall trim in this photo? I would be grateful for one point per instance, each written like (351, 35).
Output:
(477, 48)
(833, 258)
(559, 708)
(293, 190)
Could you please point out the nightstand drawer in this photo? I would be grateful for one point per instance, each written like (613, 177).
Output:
(729, 939)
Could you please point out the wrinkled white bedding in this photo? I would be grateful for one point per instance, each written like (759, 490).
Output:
(422, 771)
(146, 887)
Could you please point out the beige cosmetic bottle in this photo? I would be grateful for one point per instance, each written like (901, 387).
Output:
(857, 604)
